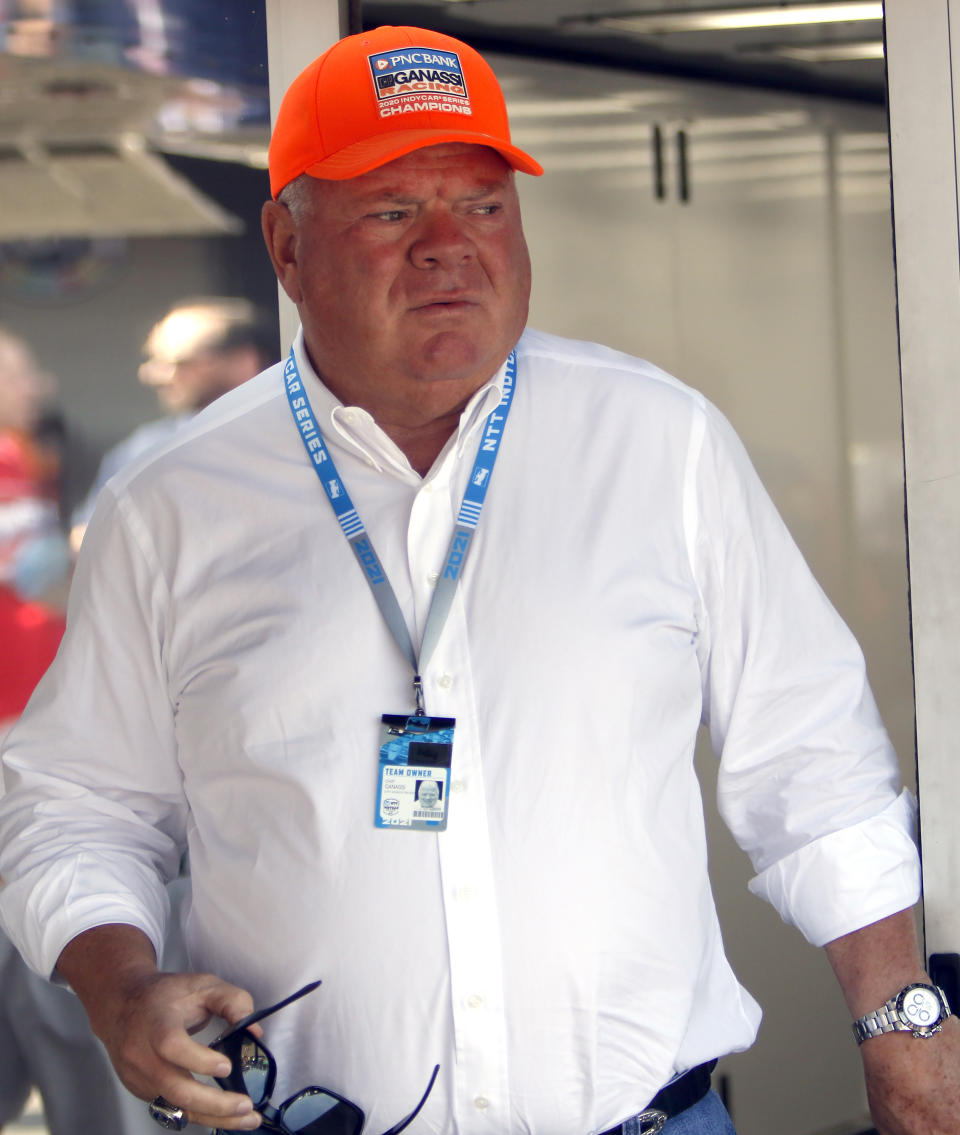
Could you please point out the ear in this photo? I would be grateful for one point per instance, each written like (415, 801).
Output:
(280, 235)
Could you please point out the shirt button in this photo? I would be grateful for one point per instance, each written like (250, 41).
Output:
(475, 1001)
(481, 1103)
(459, 786)
(350, 416)
(433, 577)
(445, 681)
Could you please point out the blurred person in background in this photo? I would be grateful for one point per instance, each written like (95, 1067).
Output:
(34, 562)
(47, 1042)
(201, 348)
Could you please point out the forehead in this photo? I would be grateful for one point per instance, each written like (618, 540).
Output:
(183, 333)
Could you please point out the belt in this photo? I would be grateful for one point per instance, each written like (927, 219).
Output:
(684, 1092)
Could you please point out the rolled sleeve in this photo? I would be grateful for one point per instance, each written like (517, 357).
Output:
(48, 906)
(92, 820)
(849, 878)
(809, 783)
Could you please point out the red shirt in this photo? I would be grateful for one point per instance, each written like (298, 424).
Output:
(29, 632)
(29, 636)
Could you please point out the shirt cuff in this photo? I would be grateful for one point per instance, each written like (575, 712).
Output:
(41, 917)
(848, 879)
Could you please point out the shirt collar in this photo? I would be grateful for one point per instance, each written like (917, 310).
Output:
(356, 430)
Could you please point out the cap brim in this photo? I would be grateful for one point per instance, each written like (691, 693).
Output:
(369, 153)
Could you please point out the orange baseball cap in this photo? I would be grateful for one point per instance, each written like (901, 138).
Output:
(378, 95)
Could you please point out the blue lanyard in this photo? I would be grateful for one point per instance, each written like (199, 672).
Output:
(356, 534)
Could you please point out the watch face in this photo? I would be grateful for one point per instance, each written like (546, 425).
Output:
(919, 1007)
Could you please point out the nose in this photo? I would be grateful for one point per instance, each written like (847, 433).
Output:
(441, 242)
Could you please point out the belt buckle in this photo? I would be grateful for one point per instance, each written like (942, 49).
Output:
(652, 1121)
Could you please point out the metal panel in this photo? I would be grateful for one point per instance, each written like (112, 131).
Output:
(924, 75)
(297, 32)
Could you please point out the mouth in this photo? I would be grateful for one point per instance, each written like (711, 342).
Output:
(444, 304)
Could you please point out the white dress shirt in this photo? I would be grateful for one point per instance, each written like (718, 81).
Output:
(556, 950)
(143, 440)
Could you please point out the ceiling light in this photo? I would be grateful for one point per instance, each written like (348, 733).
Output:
(832, 52)
(728, 19)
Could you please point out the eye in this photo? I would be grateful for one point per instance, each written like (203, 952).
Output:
(486, 210)
(390, 216)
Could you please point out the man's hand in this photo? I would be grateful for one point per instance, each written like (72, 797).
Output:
(913, 1085)
(144, 1019)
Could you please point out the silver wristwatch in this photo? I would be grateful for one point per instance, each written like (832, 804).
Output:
(919, 1009)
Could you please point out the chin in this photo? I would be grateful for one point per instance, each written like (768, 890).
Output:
(456, 359)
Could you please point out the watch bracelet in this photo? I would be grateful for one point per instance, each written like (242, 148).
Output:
(885, 1019)
(879, 1022)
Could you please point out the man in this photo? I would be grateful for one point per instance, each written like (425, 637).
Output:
(201, 348)
(603, 560)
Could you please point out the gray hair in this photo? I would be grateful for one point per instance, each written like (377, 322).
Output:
(298, 197)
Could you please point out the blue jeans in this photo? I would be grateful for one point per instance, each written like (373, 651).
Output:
(708, 1117)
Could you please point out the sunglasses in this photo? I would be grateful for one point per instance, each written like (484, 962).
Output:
(312, 1111)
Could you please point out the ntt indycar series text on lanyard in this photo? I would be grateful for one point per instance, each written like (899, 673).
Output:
(415, 749)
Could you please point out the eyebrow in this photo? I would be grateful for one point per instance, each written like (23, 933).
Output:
(487, 188)
(399, 197)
